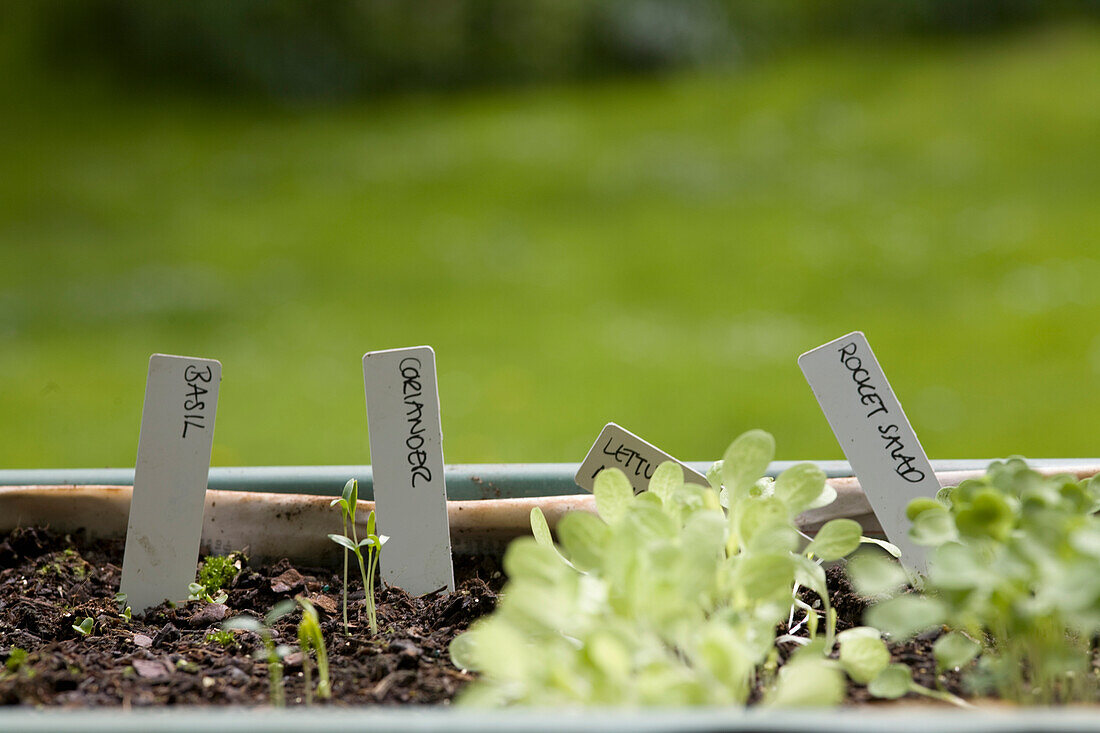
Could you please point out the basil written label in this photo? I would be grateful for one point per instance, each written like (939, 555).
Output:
(406, 448)
(619, 448)
(173, 463)
(874, 433)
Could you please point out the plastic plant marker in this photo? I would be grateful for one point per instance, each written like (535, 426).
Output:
(173, 463)
(406, 447)
(874, 433)
(619, 448)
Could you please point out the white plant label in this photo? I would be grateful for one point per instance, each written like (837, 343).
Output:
(406, 448)
(619, 448)
(173, 464)
(872, 429)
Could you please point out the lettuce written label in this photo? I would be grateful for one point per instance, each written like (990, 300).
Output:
(173, 462)
(622, 449)
(406, 448)
(874, 433)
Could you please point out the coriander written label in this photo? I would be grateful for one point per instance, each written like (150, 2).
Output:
(876, 436)
(173, 463)
(622, 449)
(406, 449)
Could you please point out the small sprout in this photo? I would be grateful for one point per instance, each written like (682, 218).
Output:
(198, 592)
(124, 611)
(272, 653)
(84, 628)
(311, 637)
(222, 638)
(373, 542)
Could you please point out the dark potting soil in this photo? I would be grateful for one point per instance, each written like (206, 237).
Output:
(51, 582)
(171, 655)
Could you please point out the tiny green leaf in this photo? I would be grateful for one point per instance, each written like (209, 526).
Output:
(906, 615)
(613, 494)
(954, 650)
(280, 609)
(836, 539)
(809, 683)
(540, 529)
(862, 653)
(746, 460)
(343, 541)
(244, 623)
(799, 486)
(873, 575)
(84, 627)
(667, 479)
(892, 682)
(933, 527)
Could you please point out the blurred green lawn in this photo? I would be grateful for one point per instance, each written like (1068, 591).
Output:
(653, 252)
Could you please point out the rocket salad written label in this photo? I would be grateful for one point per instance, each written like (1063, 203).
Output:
(874, 433)
(622, 449)
(406, 446)
(173, 462)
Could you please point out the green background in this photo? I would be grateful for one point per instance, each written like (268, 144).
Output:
(654, 251)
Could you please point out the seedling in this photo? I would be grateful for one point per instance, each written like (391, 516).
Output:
(84, 628)
(198, 592)
(311, 638)
(222, 638)
(666, 598)
(1013, 573)
(373, 542)
(273, 653)
(124, 611)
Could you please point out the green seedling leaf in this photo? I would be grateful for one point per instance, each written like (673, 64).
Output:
(988, 514)
(746, 460)
(863, 654)
(811, 575)
(344, 541)
(280, 609)
(714, 476)
(242, 623)
(809, 683)
(890, 548)
(222, 597)
(372, 520)
(584, 537)
(836, 539)
(463, 650)
(765, 576)
(667, 480)
(540, 529)
(761, 517)
(921, 504)
(875, 576)
(825, 498)
(892, 682)
(527, 559)
(954, 650)
(933, 527)
(906, 615)
(800, 486)
(84, 628)
(613, 494)
(350, 492)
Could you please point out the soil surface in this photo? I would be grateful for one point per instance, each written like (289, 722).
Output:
(172, 655)
(50, 583)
